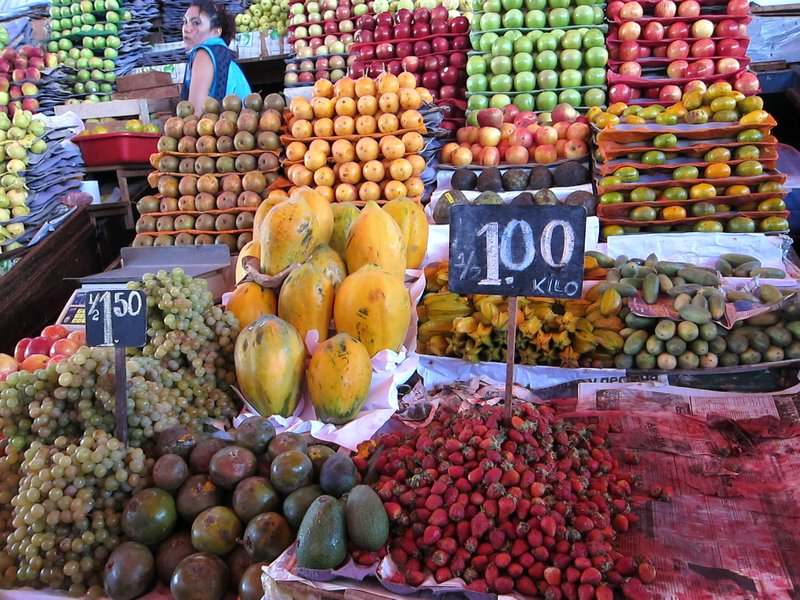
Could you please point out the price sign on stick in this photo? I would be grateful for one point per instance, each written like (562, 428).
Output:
(117, 318)
(516, 251)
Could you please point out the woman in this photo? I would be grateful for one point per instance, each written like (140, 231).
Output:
(211, 70)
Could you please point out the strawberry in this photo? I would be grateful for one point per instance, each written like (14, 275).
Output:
(442, 574)
(647, 572)
(506, 506)
(432, 535)
(503, 585)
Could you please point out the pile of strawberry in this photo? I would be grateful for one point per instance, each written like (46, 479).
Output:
(533, 508)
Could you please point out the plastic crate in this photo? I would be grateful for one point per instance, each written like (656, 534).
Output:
(118, 148)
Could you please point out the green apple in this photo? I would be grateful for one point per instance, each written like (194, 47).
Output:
(513, 35)
(546, 60)
(111, 27)
(558, 17)
(599, 15)
(500, 101)
(83, 53)
(89, 19)
(64, 44)
(572, 40)
(101, 42)
(558, 3)
(472, 118)
(546, 41)
(594, 38)
(524, 82)
(522, 62)
(476, 65)
(535, 19)
(108, 65)
(570, 78)
(77, 20)
(83, 75)
(79, 88)
(534, 36)
(596, 57)
(570, 59)
(477, 102)
(501, 83)
(546, 101)
(52, 46)
(502, 47)
(487, 41)
(522, 45)
(110, 53)
(110, 76)
(572, 97)
(82, 63)
(595, 76)
(584, 3)
(583, 15)
(535, 4)
(477, 83)
(489, 6)
(511, 4)
(594, 97)
(92, 87)
(547, 80)
(513, 19)
(524, 101)
(490, 21)
(500, 65)
(106, 88)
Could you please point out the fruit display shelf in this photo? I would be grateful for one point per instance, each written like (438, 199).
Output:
(212, 173)
(657, 49)
(372, 132)
(537, 55)
(706, 164)
(305, 71)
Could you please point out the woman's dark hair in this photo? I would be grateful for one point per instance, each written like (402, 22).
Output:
(218, 17)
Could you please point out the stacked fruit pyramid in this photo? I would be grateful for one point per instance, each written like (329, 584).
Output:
(264, 15)
(85, 34)
(358, 140)
(212, 173)
(537, 54)
(429, 44)
(658, 49)
(704, 164)
(321, 33)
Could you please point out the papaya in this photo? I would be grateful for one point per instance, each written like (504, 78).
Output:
(322, 210)
(329, 262)
(261, 213)
(375, 237)
(289, 234)
(374, 307)
(338, 378)
(251, 248)
(413, 223)
(306, 301)
(250, 302)
(270, 362)
(344, 215)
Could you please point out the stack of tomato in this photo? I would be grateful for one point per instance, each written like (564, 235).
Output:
(706, 164)
(658, 49)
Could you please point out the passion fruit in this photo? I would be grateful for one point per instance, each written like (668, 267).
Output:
(286, 441)
(196, 495)
(291, 470)
(169, 472)
(267, 536)
(150, 516)
(128, 572)
(216, 530)
(202, 453)
(171, 552)
(255, 434)
(200, 576)
(253, 496)
(230, 465)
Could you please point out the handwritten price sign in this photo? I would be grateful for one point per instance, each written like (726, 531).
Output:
(116, 318)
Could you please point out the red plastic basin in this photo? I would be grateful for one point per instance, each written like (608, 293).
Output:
(122, 147)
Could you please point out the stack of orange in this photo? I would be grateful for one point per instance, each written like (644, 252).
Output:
(358, 140)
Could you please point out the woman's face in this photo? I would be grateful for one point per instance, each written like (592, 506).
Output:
(197, 28)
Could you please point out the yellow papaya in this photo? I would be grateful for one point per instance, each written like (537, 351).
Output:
(249, 302)
(251, 248)
(289, 234)
(306, 301)
(344, 215)
(375, 237)
(374, 307)
(338, 378)
(270, 363)
(413, 223)
(328, 260)
(261, 213)
(322, 210)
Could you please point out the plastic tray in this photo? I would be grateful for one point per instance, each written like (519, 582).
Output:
(117, 148)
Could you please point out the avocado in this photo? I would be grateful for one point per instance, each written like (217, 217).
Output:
(464, 179)
(441, 211)
(545, 197)
(338, 475)
(515, 180)
(539, 178)
(523, 199)
(366, 519)
(570, 173)
(585, 199)
(322, 539)
(488, 198)
(490, 180)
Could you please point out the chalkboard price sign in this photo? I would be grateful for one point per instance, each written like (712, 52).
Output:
(116, 318)
(517, 250)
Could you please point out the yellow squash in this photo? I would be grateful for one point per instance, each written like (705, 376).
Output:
(270, 363)
(374, 307)
(413, 223)
(306, 301)
(376, 238)
(344, 215)
(289, 234)
(328, 260)
(338, 378)
(249, 302)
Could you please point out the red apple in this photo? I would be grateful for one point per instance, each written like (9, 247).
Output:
(403, 49)
(364, 36)
(384, 51)
(521, 137)
(704, 48)
(665, 9)
(476, 151)
(677, 31)
(439, 27)
(564, 112)
(631, 11)
(645, 51)
(366, 54)
(430, 81)
(653, 31)
(502, 148)
(560, 145)
(65, 347)
(677, 69)
(738, 7)
(411, 64)
(630, 30)
(729, 47)
(458, 59)
(34, 362)
(678, 49)
(422, 49)
(489, 136)
(747, 83)
(728, 65)
(383, 33)
(689, 8)
(561, 127)
(702, 28)
(700, 69)
(459, 25)
(366, 22)
(21, 348)
(55, 332)
(509, 113)
(613, 8)
(402, 31)
(631, 69)
(404, 16)
(421, 30)
(575, 148)
(78, 336)
(619, 92)
(506, 129)
(460, 43)
(440, 44)
(490, 117)
(578, 131)
(545, 135)
(728, 28)
(670, 93)
(517, 155)
(449, 76)
(629, 50)
(422, 15)
(660, 51)
(439, 12)
(489, 157)
(525, 118)
(695, 85)
(545, 154)
(38, 345)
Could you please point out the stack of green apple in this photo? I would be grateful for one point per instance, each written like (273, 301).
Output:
(537, 54)
(85, 35)
(263, 15)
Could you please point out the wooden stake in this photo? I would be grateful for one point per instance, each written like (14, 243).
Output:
(511, 349)
(121, 406)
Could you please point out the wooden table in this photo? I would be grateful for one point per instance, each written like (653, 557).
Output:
(124, 173)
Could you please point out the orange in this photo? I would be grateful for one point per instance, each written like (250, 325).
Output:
(394, 190)
(365, 86)
(671, 213)
(718, 171)
(295, 151)
(387, 82)
(407, 80)
(323, 127)
(323, 88)
(702, 190)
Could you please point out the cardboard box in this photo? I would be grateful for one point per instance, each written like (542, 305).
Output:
(171, 90)
(272, 44)
(176, 71)
(142, 81)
